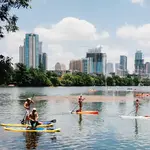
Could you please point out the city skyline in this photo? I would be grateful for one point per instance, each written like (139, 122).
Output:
(81, 25)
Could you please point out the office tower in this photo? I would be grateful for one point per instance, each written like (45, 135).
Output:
(75, 65)
(123, 64)
(58, 66)
(139, 63)
(40, 53)
(21, 54)
(44, 61)
(117, 67)
(96, 61)
(31, 50)
(85, 65)
(147, 68)
(109, 68)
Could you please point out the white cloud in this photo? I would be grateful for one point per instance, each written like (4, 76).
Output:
(62, 41)
(70, 29)
(137, 2)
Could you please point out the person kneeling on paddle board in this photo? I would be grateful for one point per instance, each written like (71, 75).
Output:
(80, 100)
(33, 117)
(27, 107)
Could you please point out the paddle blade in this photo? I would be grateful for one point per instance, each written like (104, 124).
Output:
(22, 121)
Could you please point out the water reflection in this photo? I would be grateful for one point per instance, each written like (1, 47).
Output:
(80, 122)
(136, 128)
(32, 139)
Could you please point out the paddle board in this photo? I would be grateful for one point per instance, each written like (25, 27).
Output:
(87, 112)
(135, 117)
(45, 124)
(23, 129)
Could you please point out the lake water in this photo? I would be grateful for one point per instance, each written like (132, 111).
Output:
(106, 131)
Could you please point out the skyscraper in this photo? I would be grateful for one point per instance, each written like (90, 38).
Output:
(31, 50)
(123, 64)
(44, 61)
(139, 63)
(85, 65)
(96, 61)
(40, 53)
(75, 65)
(109, 68)
(21, 54)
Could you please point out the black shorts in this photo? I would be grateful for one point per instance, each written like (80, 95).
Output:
(34, 123)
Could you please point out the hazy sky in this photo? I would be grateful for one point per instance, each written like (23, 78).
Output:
(68, 28)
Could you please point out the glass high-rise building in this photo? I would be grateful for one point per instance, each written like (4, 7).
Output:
(84, 65)
(44, 60)
(139, 63)
(96, 61)
(31, 50)
(123, 62)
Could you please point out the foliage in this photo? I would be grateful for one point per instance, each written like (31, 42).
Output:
(8, 21)
(21, 76)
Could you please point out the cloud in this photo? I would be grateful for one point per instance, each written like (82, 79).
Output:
(70, 29)
(137, 2)
(62, 41)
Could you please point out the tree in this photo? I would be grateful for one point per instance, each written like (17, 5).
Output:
(8, 21)
(6, 69)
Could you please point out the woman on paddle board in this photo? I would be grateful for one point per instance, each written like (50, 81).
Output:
(27, 104)
(80, 100)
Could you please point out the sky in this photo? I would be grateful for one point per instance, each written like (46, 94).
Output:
(68, 28)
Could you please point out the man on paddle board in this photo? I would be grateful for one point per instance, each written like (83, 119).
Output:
(27, 104)
(80, 100)
(137, 106)
(33, 117)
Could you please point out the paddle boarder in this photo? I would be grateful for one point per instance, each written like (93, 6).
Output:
(137, 106)
(33, 117)
(27, 104)
(80, 100)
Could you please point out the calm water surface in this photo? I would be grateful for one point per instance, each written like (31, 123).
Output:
(104, 131)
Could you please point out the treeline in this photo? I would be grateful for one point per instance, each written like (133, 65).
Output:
(21, 76)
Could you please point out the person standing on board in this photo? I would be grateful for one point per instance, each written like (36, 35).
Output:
(33, 117)
(27, 104)
(80, 100)
(137, 106)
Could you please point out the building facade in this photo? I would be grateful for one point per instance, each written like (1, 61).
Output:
(76, 65)
(31, 50)
(139, 63)
(109, 68)
(85, 65)
(96, 61)
(44, 61)
(21, 54)
(123, 64)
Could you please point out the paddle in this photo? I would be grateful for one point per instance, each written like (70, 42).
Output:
(23, 120)
(51, 121)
